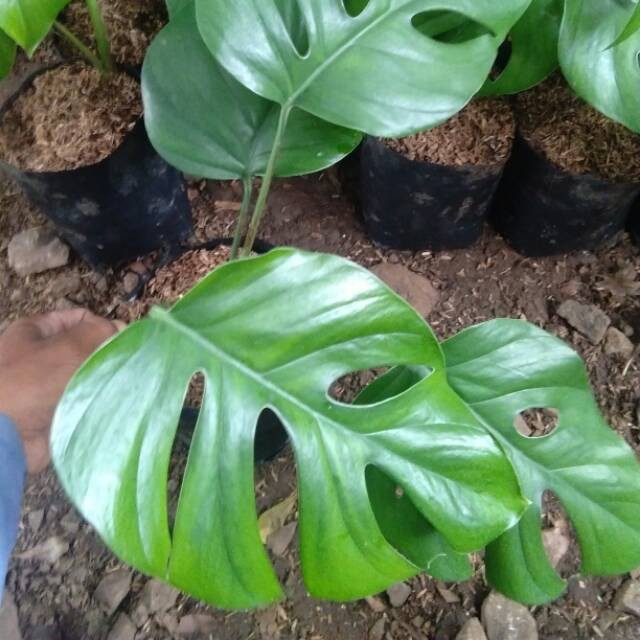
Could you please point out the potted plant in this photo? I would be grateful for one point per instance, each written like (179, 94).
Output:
(73, 138)
(276, 331)
(574, 173)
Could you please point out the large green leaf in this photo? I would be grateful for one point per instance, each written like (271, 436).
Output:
(607, 77)
(276, 331)
(507, 366)
(27, 22)
(534, 49)
(207, 124)
(7, 54)
(376, 71)
(175, 6)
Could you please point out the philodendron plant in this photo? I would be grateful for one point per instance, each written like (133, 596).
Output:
(596, 45)
(26, 23)
(266, 87)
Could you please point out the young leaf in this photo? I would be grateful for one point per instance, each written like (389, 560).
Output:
(376, 71)
(533, 44)
(27, 22)
(207, 124)
(276, 331)
(607, 77)
(7, 54)
(632, 27)
(507, 366)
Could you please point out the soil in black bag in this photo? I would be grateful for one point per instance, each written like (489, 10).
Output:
(432, 190)
(74, 140)
(572, 178)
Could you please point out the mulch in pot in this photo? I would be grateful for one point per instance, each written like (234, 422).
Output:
(432, 190)
(573, 176)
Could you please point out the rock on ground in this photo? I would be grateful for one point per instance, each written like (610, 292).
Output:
(588, 319)
(617, 344)
(157, 597)
(413, 287)
(628, 598)
(399, 594)
(113, 589)
(123, 629)
(9, 627)
(505, 619)
(377, 630)
(472, 630)
(36, 250)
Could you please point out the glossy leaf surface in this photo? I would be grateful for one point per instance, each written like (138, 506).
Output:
(276, 331)
(207, 124)
(504, 367)
(7, 54)
(633, 26)
(376, 71)
(533, 45)
(607, 77)
(27, 22)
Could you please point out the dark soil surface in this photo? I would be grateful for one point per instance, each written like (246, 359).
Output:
(574, 136)
(484, 282)
(480, 135)
(70, 117)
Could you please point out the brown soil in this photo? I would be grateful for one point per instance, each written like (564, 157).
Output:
(481, 134)
(70, 117)
(574, 136)
(132, 25)
(484, 282)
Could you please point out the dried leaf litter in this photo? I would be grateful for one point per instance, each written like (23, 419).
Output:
(574, 136)
(72, 116)
(481, 134)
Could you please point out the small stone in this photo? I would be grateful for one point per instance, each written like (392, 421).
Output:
(112, 590)
(417, 622)
(376, 604)
(170, 623)
(377, 630)
(447, 595)
(617, 344)
(197, 625)
(36, 250)
(123, 629)
(472, 630)
(130, 282)
(35, 519)
(70, 522)
(399, 594)
(66, 284)
(51, 550)
(158, 597)
(556, 542)
(505, 619)
(627, 599)
(413, 287)
(279, 541)
(9, 627)
(607, 620)
(588, 319)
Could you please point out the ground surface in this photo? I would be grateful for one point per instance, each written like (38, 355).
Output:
(484, 282)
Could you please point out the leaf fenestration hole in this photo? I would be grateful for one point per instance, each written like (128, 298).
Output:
(449, 27)
(355, 7)
(536, 422)
(295, 24)
(347, 388)
(502, 59)
(559, 537)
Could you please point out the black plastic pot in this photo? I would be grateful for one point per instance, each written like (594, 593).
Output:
(541, 210)
(271, 437)
(412, 205)
(125, 206)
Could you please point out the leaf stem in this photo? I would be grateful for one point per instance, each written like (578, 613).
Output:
(100, 34)
(243, 217)
(267, 179)
(74, 41)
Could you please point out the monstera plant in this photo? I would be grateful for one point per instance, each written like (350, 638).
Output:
(26, 23)
(235, 90)
(596, 44)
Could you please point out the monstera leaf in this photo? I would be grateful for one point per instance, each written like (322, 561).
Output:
(175, 6)
(607, 77)
(27, 22)
(366, 66)
(207, 124)
(632, 27)
(504, 367)
(7, 54)
(275, 332)
(533, 45)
